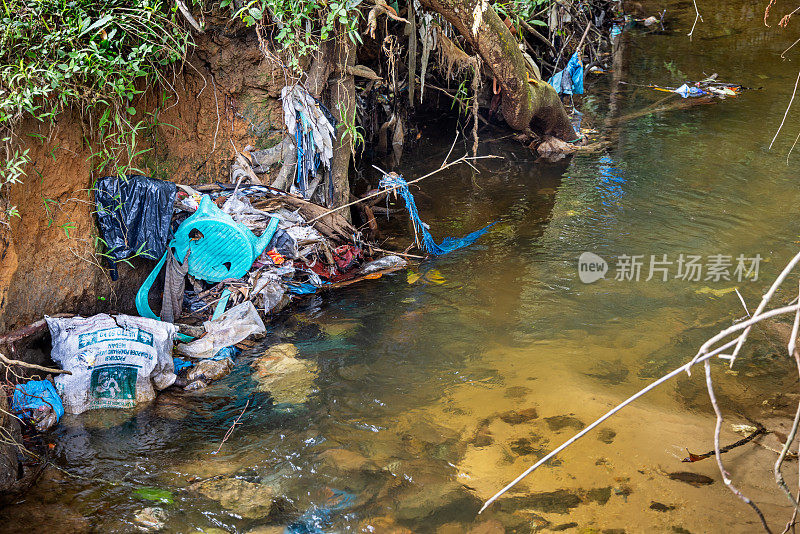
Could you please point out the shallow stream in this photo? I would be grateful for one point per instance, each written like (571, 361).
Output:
(439, 384)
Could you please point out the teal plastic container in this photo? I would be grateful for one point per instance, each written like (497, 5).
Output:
(220, 248)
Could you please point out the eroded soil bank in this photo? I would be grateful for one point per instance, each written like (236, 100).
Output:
(227, 96)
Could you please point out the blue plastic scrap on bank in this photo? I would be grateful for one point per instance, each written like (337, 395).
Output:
(570, 80)
(686, 90)
(33, 395)
(226, 352)
(299, 288)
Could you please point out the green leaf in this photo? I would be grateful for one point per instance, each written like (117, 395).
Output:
(131, 110)
(536, 22)
(155, 494)
(101, 22)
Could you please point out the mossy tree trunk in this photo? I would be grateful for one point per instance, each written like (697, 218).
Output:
(524, 104)
(343, 107)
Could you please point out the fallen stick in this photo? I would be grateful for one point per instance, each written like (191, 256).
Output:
(230, 430)
(370, 276)
(403, 254)
(188, 16)
(747, 439)
(538, 35)
(682, 104)
(32, 329)
(579, 48)
(10, 362)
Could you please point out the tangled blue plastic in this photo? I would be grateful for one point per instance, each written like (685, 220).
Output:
(449, 244)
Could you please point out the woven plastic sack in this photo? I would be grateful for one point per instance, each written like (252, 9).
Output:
(116, 362)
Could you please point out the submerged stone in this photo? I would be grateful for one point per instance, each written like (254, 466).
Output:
(345, 460)
(483, 437)
(440, 500)
(660, 507)
(287, 378)
(267, 529)
(208, 370)
(613, 372)
(150, 518)
(554, 502)
(383, 524)
(564, 526)
(606, 435)
(523, 447)
(451, 528)
(247, 499)
(492, 526)
(560, 422)
(517, 417)
(517, 392)
(599, 495)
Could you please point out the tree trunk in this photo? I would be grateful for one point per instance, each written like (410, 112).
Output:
(524, 104)
(320, 70)
(343, 107)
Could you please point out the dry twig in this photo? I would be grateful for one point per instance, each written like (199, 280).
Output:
(233, 426)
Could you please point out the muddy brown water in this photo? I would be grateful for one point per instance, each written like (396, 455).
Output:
(434, 391)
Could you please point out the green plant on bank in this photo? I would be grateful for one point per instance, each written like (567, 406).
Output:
(93, 56)
(301, 25)
(347, 125)
(67, 227)
(463, 98)
(527, 10)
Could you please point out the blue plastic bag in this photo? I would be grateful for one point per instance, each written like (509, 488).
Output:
(181, 364)
(35, 401)
(227, 352)
(570, 83)
(686, 90)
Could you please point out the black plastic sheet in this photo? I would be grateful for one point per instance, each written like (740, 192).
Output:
(134, 214)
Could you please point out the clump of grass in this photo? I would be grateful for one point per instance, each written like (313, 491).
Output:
(94, 56)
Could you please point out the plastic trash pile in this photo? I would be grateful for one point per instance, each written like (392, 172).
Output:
(227, 246)
(232, 255)
(707, 87)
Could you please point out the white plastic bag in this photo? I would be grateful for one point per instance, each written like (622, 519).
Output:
(116, 362)
(269, 291)
(233, 326)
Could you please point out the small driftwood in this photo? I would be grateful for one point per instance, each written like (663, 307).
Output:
(33, 330)
(27, 365)
(747, 439)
